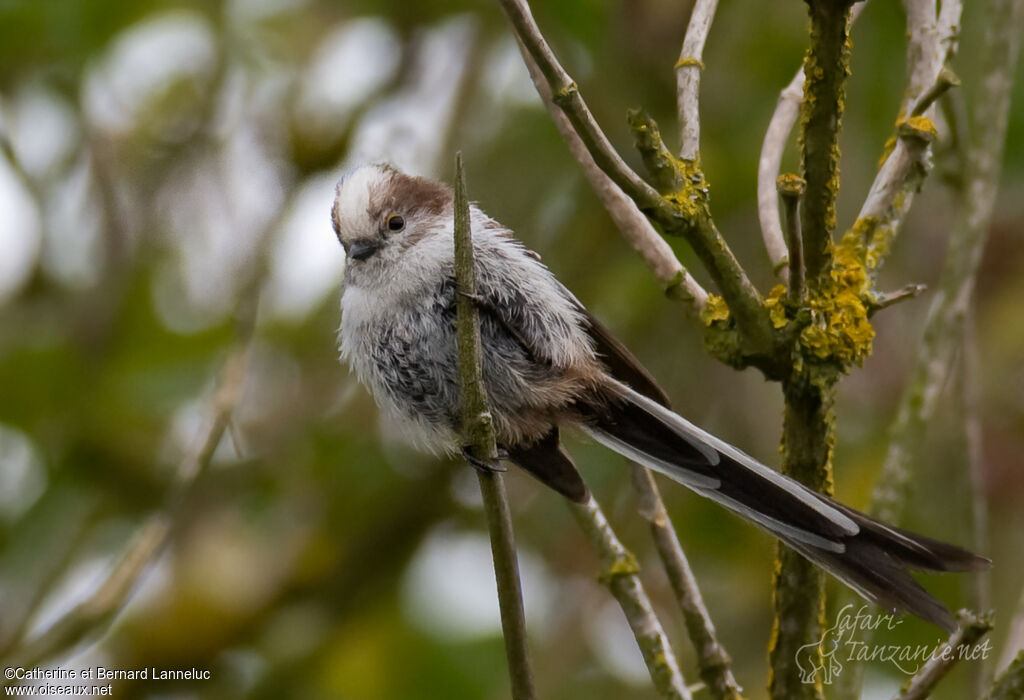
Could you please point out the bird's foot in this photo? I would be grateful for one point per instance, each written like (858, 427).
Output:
(485, 465)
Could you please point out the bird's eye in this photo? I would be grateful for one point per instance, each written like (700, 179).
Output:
(395, 222)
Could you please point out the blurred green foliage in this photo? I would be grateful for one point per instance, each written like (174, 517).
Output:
(289, 574)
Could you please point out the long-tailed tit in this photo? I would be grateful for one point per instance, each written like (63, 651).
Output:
(548, 365)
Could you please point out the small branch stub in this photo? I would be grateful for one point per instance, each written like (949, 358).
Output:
(791, 188)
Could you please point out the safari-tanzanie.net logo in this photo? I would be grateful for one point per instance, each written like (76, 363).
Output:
(857, 635)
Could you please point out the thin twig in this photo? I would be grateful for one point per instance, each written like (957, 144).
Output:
(686, 214)
(932, 42)
(958, 647)
(478, 431)
(791, 189)
(769, 165)
(944, 330)
(688, 70)
(946, 80)
(620, 573)
(887, 299)
(712, 659)
(567, 96)
(656, 253)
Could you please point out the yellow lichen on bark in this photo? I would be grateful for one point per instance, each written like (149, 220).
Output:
(839, 330)
(775, 302)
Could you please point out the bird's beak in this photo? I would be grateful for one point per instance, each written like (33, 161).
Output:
(362, 249)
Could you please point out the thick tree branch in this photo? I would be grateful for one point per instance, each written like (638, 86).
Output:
(688, 70)
(826, 68)
(712, 659)
(620, 573)
(769, 165)
(478, 431)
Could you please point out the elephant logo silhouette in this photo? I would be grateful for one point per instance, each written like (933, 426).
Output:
(820, 657)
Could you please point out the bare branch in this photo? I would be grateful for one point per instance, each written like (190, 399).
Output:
(957, 647)
(688, 70)
(712, 658)
(567, 96)
(621, 575)
(933, 35)
(478, 431)
(686, 213)
(791, 189)
(888, 201)
(770, 165)
(887, 299)
(826, 68)
(656, 253)
(945, 328)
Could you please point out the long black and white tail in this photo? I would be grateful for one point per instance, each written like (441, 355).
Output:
(871, 557)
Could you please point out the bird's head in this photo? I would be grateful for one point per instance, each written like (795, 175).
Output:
(380, 213)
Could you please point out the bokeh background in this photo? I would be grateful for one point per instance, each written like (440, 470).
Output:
(162, 152)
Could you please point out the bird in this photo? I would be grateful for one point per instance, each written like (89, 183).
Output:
(548, 365)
